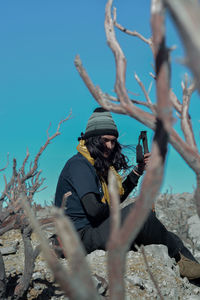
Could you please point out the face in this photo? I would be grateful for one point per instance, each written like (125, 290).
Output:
(109, 143)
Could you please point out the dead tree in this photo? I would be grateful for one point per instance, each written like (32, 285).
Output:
(123, 104)
(121, 238)
(159, 119)
(3, 279)
(24, 182)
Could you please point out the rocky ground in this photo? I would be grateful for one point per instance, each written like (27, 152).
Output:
(178, 214)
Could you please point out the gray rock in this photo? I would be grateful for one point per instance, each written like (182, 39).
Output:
(136, 280)
(194, 230)
(177, 212)
(37, 275)
(161, 252)
(100, 284)
(10, 249)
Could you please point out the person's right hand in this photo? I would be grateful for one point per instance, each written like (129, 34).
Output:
(140, 168)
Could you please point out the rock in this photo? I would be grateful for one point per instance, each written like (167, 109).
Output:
(194, 230)
(137, 280)
(100, 284)
(37, 275)
(161, 252)
(10, 249)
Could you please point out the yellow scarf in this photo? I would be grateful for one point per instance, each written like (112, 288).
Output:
(84, 151)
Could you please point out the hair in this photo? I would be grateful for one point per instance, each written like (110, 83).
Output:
(116, 159)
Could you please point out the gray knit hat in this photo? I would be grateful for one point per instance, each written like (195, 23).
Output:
(100, 123)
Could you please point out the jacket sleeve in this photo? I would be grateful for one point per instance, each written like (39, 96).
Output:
(129, 184)
(98, 211)
(94, 208)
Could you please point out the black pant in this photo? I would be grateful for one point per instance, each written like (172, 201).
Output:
(152, 232)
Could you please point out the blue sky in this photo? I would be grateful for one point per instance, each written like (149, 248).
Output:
(39, 83)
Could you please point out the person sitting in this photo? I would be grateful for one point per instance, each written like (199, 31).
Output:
(85, 175)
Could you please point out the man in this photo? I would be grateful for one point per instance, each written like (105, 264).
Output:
(85, 175)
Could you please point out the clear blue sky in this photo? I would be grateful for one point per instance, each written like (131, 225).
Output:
(39, 83)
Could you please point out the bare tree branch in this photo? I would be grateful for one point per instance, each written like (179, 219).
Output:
(150, 273)
(6, 163)
(186, 15)
(59, 271)
(115, 208)
(93, 90)
(185, 119)
(150, 104)
(24, 163)
(185, 124)
(11, 182)
(120, 62)
(176, 103)
(49, 139)
(132, 33)
(73, 249)
(122, 239)
(116, 261)
(189, 154)
(72, 286)
(29, 264)
(23, 186)
(64, 200)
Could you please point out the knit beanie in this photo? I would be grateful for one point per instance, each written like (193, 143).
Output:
(100, 123)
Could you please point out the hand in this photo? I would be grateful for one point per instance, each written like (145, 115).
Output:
(140, 168)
